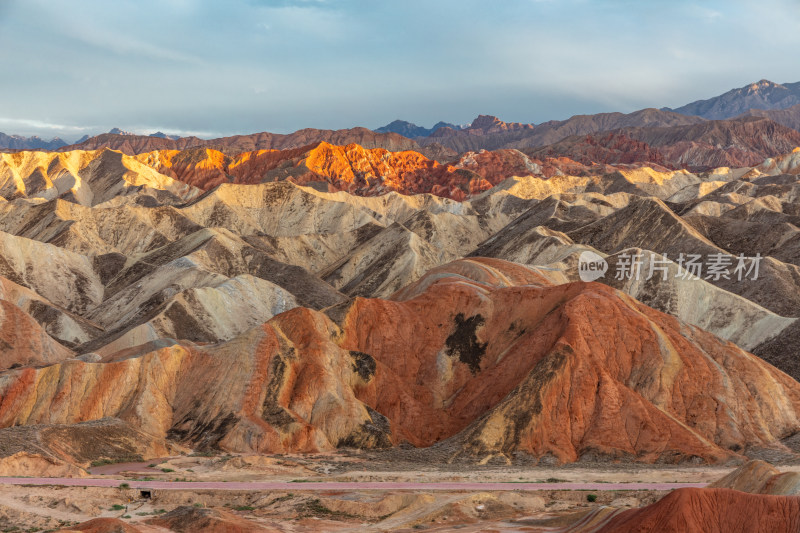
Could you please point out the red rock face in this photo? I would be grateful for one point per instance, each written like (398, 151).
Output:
(606, 149)
(711, 511)
(207, 168)
(361, 171)
(578, 379)
(351, 168)
(480, 356)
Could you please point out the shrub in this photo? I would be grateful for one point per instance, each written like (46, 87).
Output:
(591, 497)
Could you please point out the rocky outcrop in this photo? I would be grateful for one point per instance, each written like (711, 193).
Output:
(25, 464)
(247, 317)
(732, 143)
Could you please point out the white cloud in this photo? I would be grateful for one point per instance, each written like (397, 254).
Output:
(41, 125)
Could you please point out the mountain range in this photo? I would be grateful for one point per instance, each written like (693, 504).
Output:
(322, 307)
(17, 142)
(411, 130)
(762, 95)
(445, 141)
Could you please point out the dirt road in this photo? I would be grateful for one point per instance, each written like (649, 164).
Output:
(334, 486)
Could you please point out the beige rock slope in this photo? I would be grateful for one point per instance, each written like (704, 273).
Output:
(62, 277)
(276, 209)
(760, 477)
(209, 314)
(128, 230)
(390, 260)
(86, 177)
(67, 328)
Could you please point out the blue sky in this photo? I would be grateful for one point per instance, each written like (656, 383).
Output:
(240, 66)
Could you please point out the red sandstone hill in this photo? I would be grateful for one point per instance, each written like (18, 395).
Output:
(710, 511)
(359, 170)
(351, 168)
(480, 357)
(726, 143)
(734, 143)
(93, 177)
(612, 148)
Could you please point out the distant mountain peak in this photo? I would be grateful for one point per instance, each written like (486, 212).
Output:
(162, 135)
(763, 94)
(411, 130)
(762, 86)
(492, 123)
(485, 121)
(117, 131)
(18, 142)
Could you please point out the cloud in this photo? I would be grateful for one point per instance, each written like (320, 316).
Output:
(41, 125)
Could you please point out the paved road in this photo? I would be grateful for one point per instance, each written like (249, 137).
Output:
(284, 486)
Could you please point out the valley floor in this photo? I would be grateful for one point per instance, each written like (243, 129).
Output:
(336, 492)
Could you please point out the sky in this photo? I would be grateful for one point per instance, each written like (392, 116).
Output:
(213, 68)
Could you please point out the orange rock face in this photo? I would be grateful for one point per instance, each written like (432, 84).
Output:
(544, 370)
(359, 170)
(480, 356)
(351, 168)
(711, 511)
